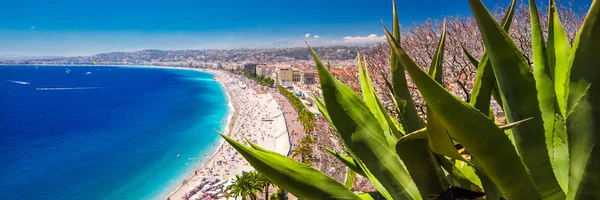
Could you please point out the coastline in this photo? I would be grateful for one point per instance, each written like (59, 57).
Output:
(231, 119)
(258, 117)
(254, 113)
(197, 141)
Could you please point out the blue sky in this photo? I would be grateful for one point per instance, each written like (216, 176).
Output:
(80, 27)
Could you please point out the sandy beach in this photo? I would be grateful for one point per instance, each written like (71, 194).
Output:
(258, 117)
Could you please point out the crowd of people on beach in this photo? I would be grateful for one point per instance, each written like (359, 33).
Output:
(264, 116)
(257, 117)
(209, 188)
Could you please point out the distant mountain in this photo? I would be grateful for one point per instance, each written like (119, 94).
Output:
(20, 57)
(279, 44)
(190, 57)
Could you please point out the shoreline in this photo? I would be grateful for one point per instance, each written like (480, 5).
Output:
(231, 119)
(258, 117)
(253, 114)
(207, 143)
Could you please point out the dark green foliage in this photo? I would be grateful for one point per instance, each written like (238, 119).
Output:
(280, 195)
(245, 186)
(305, 150)
(306, 117)
(264, 81)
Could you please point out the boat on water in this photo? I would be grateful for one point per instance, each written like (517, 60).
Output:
(88, 73)
(67, 70)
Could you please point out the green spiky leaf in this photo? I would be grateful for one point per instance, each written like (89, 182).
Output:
(295, 177)
(583, 114)
(518, 91)
(417, 157)
(466, 180)
(439, 140)
(348, 161)
(372, 101)
(362, 134)
(558, 52)
(408, 114)
(470, 57)
(558, 56)
(475, 131)
(485, 81)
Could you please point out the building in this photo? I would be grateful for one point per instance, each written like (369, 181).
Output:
(309, 77)
(296, 75)
(284, 75)
(261, 70)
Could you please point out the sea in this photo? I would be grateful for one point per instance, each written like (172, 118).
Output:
(102, 132)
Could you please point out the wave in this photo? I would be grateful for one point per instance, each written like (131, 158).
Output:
(71, 88)
(18, 82)
(200, 79)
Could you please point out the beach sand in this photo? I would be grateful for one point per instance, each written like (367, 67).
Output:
(258, 117)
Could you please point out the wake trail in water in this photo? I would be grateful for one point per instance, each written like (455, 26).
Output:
(71, 88)
(17, 82)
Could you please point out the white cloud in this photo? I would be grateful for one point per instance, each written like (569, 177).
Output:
(333, 41)
(32, 27)
(360, 39)
(316, 37)
(307, 35)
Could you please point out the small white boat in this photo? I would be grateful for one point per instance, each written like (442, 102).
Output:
(88, 73)
(67, 70)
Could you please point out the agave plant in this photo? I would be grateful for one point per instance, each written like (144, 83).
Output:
(548, 150)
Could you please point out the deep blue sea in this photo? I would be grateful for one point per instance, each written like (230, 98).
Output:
(104, 132)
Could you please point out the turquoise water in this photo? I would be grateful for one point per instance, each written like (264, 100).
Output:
(104, 132)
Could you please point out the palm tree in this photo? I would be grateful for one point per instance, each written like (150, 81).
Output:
(264, 182)
(245, 186)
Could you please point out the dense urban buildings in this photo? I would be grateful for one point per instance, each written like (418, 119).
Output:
(310, 77)
(295, 75)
